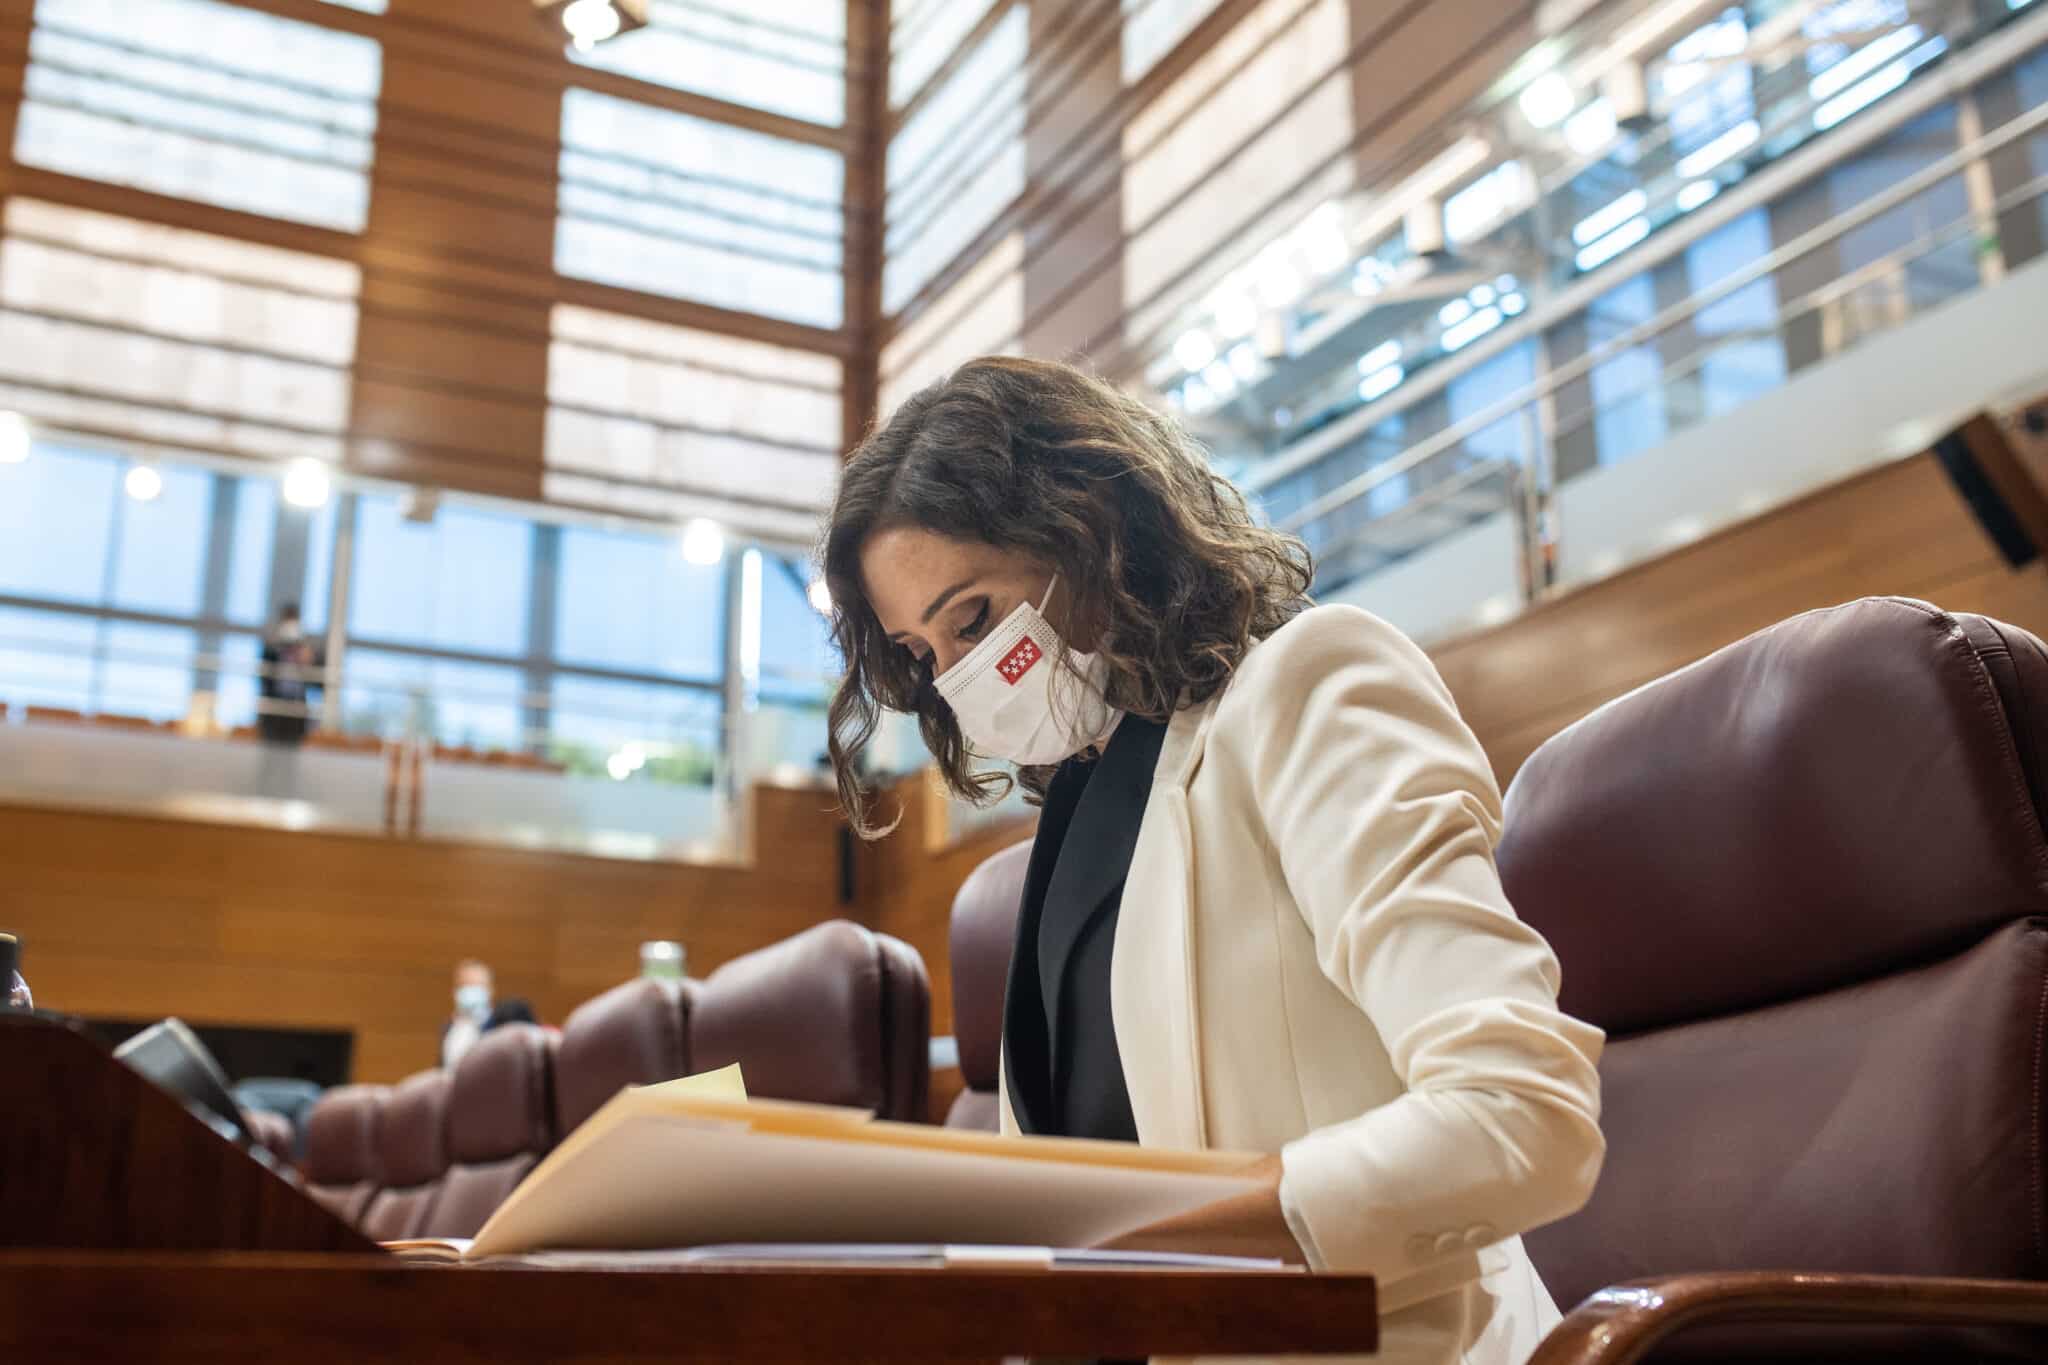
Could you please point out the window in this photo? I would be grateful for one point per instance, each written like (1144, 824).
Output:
(56, 524)
(160, 557)
(204, 101)
(1153, 28)
(46, 658)
(144, 670)
(798, 663)
(1744, 356)
(789, 58)
(1704, 85)
(162, 334)
(922, 36)
(461, 581)
(667, 203)
(629, 601)
(743, 432)
(1628, 397)
(1192, 182)
(1511, 372)
(982, 313)
(255, 537)
(958, 162)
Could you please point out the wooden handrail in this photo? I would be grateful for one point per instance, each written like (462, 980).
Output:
(1622, 1324)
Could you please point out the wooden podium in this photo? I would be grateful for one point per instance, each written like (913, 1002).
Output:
(131, 1231)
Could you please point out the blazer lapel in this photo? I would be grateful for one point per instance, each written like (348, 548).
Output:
(1027, 1054)
(1095, 856)
(1152, 992)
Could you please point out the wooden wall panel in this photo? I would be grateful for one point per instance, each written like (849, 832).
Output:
(1898, 529)
(140, 917)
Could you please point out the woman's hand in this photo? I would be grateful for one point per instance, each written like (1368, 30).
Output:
(1249, 1224)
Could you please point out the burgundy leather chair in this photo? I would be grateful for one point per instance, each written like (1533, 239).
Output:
(634, 1034)
(501, 1111)
(984, 930)
(340, 1169)
(412, 1156)
(835, 1015)
(1803, 885)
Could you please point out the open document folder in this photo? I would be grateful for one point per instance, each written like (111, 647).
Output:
(694, 1163)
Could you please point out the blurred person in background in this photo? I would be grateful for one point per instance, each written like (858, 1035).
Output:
(290, 658)
(477, 1011)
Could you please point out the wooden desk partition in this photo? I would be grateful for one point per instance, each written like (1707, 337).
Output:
(98, 1309)
(94, 1156)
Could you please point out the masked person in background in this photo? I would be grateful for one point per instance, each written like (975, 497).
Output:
(476, 1013)
(1261, 911)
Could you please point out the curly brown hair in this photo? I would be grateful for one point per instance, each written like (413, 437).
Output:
(1168, 566)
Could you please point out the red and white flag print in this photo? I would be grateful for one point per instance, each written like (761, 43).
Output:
(1019, 661)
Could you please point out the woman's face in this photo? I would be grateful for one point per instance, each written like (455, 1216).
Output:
(936, 597)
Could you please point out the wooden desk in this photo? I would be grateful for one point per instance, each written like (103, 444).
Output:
(85, 1308)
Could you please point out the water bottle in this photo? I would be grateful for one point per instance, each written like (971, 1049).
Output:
(18, 997)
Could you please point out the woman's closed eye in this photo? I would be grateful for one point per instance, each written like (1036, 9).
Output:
(973, 629)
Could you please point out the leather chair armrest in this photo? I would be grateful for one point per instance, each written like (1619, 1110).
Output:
(1620, 1325)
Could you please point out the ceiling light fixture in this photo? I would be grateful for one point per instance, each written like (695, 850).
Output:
(590, 22)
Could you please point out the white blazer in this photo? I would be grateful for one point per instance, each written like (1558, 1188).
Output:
(1314, 957)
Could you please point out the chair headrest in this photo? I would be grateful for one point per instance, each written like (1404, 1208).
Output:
(341, 1135)
(634, 1034)
(501, 1100)
(805, 1018)
(984, 930)
(412, 1131)
(1841, 795)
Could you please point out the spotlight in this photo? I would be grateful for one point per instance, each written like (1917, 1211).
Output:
(15, 437)
(590, 22)
(307, 484)
(703, 542)
(143, 482)
(821, 597)
(1547, 100)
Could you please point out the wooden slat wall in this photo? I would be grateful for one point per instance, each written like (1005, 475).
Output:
(458, 254)
(1411, 66)
(1898, 529)
(136, 918)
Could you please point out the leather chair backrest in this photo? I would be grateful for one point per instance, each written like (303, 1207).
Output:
(984, 931)
(835, 1015)
(501, 1111)
(340, 1168)
(634, 1034)
(412, 1156)
(1803, 884)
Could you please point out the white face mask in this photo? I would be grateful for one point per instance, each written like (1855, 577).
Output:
(1016, 698)
(473, 1000)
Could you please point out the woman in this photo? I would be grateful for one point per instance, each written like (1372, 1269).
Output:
(1261, 912)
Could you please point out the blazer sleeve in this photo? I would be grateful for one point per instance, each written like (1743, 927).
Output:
(1383, 811)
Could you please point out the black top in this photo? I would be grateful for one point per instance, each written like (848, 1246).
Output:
(1066, 1078)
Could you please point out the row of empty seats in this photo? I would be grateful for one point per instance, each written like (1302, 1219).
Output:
(835, 1015)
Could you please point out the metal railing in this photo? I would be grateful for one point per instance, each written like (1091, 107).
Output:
(1528, 485)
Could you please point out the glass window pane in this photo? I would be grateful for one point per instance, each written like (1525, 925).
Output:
(1744, 356)
(234, 694)
(1628, 397)
(630, 601)
(655, 200)
(475, 706)
(204, 101)
(56, 518)
(46, 658)
(249, 554)
(789, 58)
(797, 659)
(319, 563)
(672, 731)
(160, 564)
(145, 670)
(460, 581)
